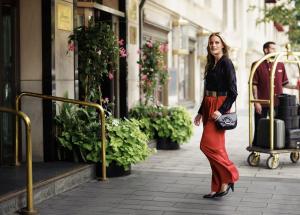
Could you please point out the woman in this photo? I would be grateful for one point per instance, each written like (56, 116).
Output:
(219, 94)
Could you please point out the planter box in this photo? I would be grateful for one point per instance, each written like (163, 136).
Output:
(113, 170)
(167, 144)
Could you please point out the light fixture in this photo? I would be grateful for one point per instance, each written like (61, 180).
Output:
(202, 40)
(180, 37)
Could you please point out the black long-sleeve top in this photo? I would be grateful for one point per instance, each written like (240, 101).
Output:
(222, 78)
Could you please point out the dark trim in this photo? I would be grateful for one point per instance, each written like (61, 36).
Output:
(76, 75)
(47, 34)
(141, 20)
(123, 82)
(17, 78)
(7, 154)
(1, 72)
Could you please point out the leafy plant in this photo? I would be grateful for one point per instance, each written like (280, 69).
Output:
(163, 122)
(146, 115)
(175, 124)
(153, 71)
(80, 128)
(127, 144)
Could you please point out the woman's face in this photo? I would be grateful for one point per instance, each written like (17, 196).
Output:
(215, 46)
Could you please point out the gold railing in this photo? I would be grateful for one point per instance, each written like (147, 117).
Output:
(29, 209)
(73, 101)
(270, 102)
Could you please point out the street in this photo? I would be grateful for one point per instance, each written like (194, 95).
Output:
(173, 183)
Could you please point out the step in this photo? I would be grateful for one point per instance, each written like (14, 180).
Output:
(60, 179)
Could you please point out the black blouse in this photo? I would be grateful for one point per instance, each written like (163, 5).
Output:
(222, 78)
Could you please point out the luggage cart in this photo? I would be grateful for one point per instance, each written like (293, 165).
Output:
(254, 157)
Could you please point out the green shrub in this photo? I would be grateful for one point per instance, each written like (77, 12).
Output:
(127, 143)
(163, 122)
(80, 128)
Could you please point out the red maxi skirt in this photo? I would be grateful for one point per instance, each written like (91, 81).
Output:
(213, 146)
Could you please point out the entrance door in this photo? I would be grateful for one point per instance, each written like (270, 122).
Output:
(8, 81)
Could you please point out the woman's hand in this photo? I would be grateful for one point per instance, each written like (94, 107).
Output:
(197, 119)
(216, 115)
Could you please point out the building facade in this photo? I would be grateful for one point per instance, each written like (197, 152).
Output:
(185, 26)
(34, 54)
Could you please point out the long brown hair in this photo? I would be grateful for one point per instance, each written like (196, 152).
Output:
(210, 58)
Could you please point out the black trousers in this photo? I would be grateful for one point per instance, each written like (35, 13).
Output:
(264, 113)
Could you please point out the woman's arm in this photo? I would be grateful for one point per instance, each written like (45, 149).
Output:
(231, 87)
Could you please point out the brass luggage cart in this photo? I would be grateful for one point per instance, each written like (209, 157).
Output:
(254, 157)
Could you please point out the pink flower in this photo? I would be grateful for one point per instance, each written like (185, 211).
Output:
(71, 46)
(110, 76)
(121, 42)
(123, 52)
(166, 47)
(149, 83)
(163, 48)
(149, 44)
(144, 77)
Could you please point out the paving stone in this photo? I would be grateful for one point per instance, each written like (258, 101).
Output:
(173, 183)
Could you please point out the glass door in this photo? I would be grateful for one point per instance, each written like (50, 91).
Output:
(8, 83)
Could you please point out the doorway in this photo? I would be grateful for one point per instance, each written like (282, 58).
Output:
(9, 83)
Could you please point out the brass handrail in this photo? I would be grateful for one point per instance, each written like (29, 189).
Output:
(73, 101)
(29, 209)
(277, 56)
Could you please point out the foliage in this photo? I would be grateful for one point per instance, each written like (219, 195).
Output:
(287, 14)
(175, 124)
(98, 52)
(153, 71)
(127, 144)
(80, 127)
(146, 115)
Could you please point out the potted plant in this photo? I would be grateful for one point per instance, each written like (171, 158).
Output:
(146, 115)
(79, 129)
(173, 127)
(78, 133)
(170, 126)
(127, 145)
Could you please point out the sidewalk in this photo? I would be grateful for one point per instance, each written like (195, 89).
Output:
(173, 182)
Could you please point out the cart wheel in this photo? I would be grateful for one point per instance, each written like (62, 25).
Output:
(295, 157)
(253, 159)
(273, 162)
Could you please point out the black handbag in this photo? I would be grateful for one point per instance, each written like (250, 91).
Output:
(227, 121)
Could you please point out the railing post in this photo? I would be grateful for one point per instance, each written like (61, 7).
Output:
(29, 210)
